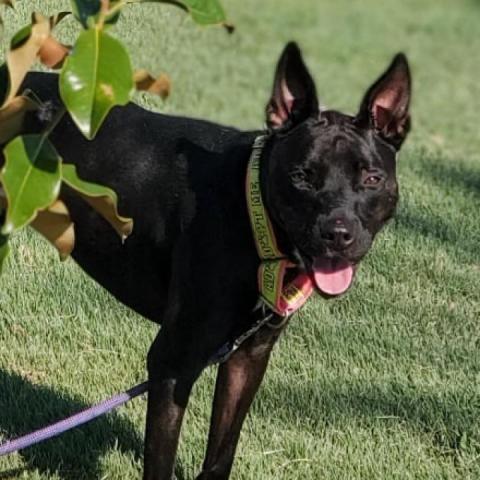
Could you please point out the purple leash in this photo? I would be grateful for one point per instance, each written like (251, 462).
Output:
(116, 401)
(74, 421)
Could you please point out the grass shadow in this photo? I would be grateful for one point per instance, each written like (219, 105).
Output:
(438, 229)
(74, 455)
(448, 417)
(11, 474)
(179, 471)
(450, 176)
(435, 224)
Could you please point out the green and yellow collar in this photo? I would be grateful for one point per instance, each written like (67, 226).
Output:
(282, 299)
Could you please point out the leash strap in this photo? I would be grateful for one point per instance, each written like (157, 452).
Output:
(71, 422)
(229, 348)
(283, 299)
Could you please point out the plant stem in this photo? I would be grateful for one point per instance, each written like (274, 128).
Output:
(105, 4)
(55, 121)
(117, 7)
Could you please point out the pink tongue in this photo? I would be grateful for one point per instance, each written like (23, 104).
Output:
(332, 276)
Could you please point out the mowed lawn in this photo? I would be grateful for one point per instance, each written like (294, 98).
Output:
(383, 383)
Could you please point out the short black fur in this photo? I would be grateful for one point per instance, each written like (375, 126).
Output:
(329, 185)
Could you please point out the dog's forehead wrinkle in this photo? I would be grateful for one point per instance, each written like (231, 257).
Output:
(339, 138)
(335, 180)
(339, 154)
(369, 157)
(375, 154)
(340, 143)
(358, 148)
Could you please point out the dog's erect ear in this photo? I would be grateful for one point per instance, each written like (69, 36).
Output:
(385, 105)
(294, 97)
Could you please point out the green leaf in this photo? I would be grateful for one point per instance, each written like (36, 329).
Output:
(84, 9)
(204, 12)
(4, 249)
(102, 199)
(20, 37)
(31, 179)
(94, 78)
(24, 33)
(21, 58)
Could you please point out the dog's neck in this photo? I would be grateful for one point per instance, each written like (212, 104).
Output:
(283, 287)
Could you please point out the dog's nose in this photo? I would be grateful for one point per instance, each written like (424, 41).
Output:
(337, 235)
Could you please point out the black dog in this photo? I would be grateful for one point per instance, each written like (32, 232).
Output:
(328, 183)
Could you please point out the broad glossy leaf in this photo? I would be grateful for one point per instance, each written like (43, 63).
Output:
(55, 225)
(4, 249)
(204, 12)
(144, 81)
(102, 199)
(12, 117)
(31, 179)
(19, 60)
(95, 77)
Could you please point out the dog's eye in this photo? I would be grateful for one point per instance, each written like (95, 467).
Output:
(371, 179)
(302, 178)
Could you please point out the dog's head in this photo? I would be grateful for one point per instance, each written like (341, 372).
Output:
(331, 182)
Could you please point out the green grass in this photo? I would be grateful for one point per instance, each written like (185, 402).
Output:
(383, 383)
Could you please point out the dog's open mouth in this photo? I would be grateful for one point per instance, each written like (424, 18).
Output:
(332, 276)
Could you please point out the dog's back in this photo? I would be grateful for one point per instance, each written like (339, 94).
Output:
(166, 171)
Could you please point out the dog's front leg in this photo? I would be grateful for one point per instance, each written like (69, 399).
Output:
(172, 371)
(164, 420)
(237, 383)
